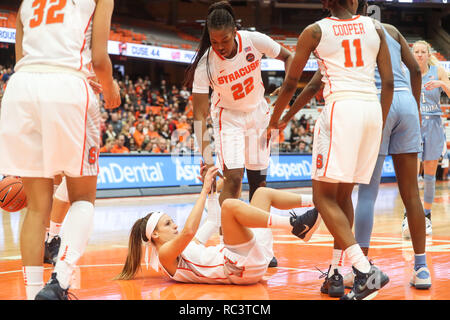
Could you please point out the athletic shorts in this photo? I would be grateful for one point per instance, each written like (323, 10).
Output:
(247, 263)
(50, 124)
(401, 132)
(347, 138)
(433, 138)
(240, 137)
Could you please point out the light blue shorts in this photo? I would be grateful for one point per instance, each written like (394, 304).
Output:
(401, 133)
(433, 138)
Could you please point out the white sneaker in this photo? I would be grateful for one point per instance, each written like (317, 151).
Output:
(349, 279)
(421, 279)
(428, 228)
(405, 228)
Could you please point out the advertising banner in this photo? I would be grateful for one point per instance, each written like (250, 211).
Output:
(149, 171)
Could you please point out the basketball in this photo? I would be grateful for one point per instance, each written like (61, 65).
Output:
(12, 194)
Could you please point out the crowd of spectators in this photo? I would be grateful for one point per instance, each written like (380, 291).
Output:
(158, 118)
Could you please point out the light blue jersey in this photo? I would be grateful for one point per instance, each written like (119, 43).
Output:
(400, 72)
(430, 100)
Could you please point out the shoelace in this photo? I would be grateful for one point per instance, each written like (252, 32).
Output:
(71, 296)
(293, 214)
(323, 274)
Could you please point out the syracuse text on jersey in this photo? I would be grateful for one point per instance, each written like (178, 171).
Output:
(239, 73)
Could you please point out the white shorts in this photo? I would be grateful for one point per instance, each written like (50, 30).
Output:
(49, 124)
(247, 263)
(240, 137)
(61, 191)
(347, 139)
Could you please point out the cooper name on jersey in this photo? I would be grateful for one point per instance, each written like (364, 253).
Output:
(348, 29)
(239, 73)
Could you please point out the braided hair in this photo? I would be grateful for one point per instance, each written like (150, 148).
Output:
(220, 16)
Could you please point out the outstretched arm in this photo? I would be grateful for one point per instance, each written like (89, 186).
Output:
(310, 90)
(169, 252)
(307, 42)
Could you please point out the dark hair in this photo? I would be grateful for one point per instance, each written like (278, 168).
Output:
(220, 16)
(361, 4)
(328, 4)
(133, 261)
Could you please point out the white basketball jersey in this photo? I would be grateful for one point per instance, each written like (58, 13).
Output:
(57, 33)
(201, 264)
(218, 264)
(236, 82)
(347, 55)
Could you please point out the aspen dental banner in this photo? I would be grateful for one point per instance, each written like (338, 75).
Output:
(150, 171)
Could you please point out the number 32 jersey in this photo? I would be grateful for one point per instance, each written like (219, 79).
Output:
(236, 82)
(347, 55)
(57, 33)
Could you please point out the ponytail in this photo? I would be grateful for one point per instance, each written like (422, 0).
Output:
(133, 261)
(220, 16)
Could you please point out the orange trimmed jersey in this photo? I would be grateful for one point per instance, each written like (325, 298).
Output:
(347, 55)
(57, 33)
(236, 82)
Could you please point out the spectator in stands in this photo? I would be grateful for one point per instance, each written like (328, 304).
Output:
(152, 133)
(109, 133)
(116, 122)
(164, 131)
(126, 133)
(119, 146)
(295, 137)
(138, 135)
(163, 147)
(303, 147)
(6, 75)
(184, 93)
(109, 144)
(163, 88)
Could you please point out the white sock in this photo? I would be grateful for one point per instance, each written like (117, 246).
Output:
(276, 221)
(357, 258)
(75, 236)
(55, 229)
(337, 261)
(33, 277)
(307, 200)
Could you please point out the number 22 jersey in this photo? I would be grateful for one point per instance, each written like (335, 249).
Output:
(236, 82)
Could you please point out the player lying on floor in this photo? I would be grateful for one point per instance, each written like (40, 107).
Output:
(247, 246)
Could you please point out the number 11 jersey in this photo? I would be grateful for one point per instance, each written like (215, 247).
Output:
(347, 56)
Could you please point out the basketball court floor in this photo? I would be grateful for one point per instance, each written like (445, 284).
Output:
(295, 278)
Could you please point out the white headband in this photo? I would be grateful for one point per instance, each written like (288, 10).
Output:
(151, 225)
